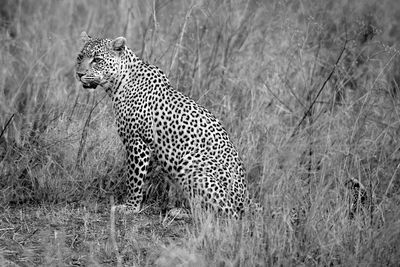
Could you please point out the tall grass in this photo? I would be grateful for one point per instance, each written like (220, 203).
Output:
(262, 67)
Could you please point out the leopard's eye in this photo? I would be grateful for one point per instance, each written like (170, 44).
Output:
(97, 59)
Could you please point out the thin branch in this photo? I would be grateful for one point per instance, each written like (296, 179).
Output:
(276, 97)
(179, 44)
(320, 90)
(7, 123)
(112, 232)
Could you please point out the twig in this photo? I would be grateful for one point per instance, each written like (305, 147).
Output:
(7, 123)
(321, 89)
(276, 97)
(29, 236)
(179, 44)
(112, 232)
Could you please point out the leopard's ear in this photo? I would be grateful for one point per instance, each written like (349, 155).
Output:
(118, 44)
(85, 38)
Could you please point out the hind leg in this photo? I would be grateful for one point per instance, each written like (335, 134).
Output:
(206, 187)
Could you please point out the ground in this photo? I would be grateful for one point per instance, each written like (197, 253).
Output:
(77, 235)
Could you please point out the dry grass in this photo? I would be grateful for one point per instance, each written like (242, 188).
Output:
(262, 68)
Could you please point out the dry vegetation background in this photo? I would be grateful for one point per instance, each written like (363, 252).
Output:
(320, 140)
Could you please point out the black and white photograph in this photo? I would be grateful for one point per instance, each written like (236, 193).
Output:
(196, 133)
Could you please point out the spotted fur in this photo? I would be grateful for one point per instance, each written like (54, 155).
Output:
(155, 120)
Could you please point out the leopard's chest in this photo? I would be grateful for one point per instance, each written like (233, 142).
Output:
(133, 117)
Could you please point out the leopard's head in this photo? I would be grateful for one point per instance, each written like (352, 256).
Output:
(99, 61)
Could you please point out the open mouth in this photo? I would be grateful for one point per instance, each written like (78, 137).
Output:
(89, 85)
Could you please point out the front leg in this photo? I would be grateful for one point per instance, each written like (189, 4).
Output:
(138, 157)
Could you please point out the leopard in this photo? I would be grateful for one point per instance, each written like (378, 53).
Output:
(156, 121)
